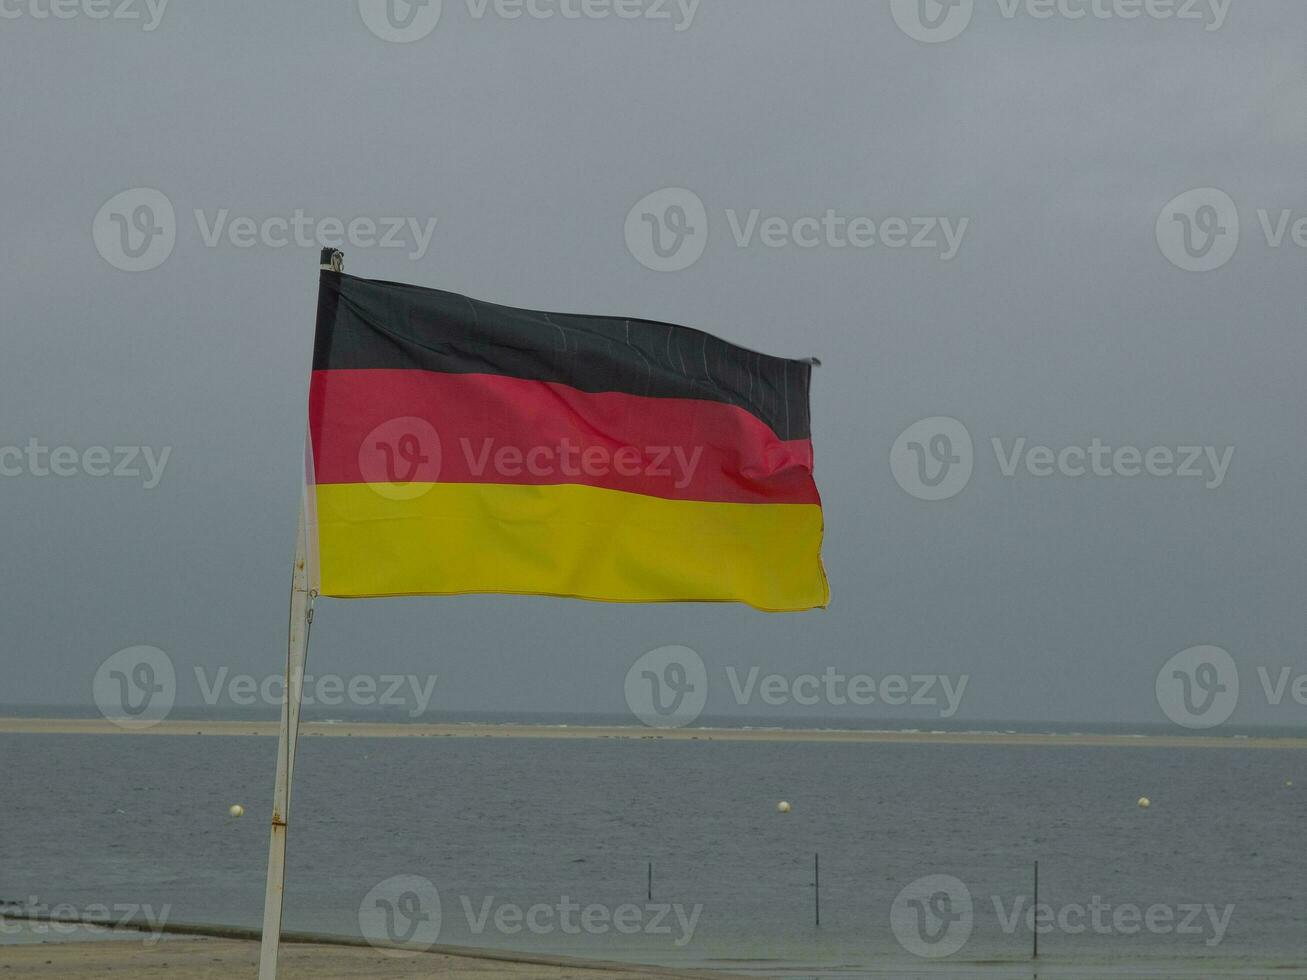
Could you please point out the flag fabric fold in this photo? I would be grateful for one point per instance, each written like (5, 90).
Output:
(462, 447)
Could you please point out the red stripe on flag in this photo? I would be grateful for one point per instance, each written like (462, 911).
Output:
(401, 426)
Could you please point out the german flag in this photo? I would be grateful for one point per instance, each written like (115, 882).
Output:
(461, 447)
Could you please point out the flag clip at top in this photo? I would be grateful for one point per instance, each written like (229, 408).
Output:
(332, 260)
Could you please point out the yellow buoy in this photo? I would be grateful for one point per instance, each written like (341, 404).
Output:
(783, 807)
(1144, 803)
(236, 810)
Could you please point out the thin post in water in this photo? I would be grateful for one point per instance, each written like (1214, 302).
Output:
(1034, 932)
(816, 886)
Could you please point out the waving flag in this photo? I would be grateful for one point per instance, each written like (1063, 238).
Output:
(462, 447)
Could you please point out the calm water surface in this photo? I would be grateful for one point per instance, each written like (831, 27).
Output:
(500, 826)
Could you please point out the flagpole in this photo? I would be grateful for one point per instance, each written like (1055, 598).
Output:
(297, 650)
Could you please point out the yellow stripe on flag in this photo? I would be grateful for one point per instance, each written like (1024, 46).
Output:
(585, 542)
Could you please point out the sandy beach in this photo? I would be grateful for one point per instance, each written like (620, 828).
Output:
(221, 959)
(268, 729)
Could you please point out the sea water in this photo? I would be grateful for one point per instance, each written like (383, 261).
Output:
(522, 839)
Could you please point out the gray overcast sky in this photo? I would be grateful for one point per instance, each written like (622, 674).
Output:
(1060, 319)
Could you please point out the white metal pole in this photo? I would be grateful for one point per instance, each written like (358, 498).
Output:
(297, 652)
(296, 656)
